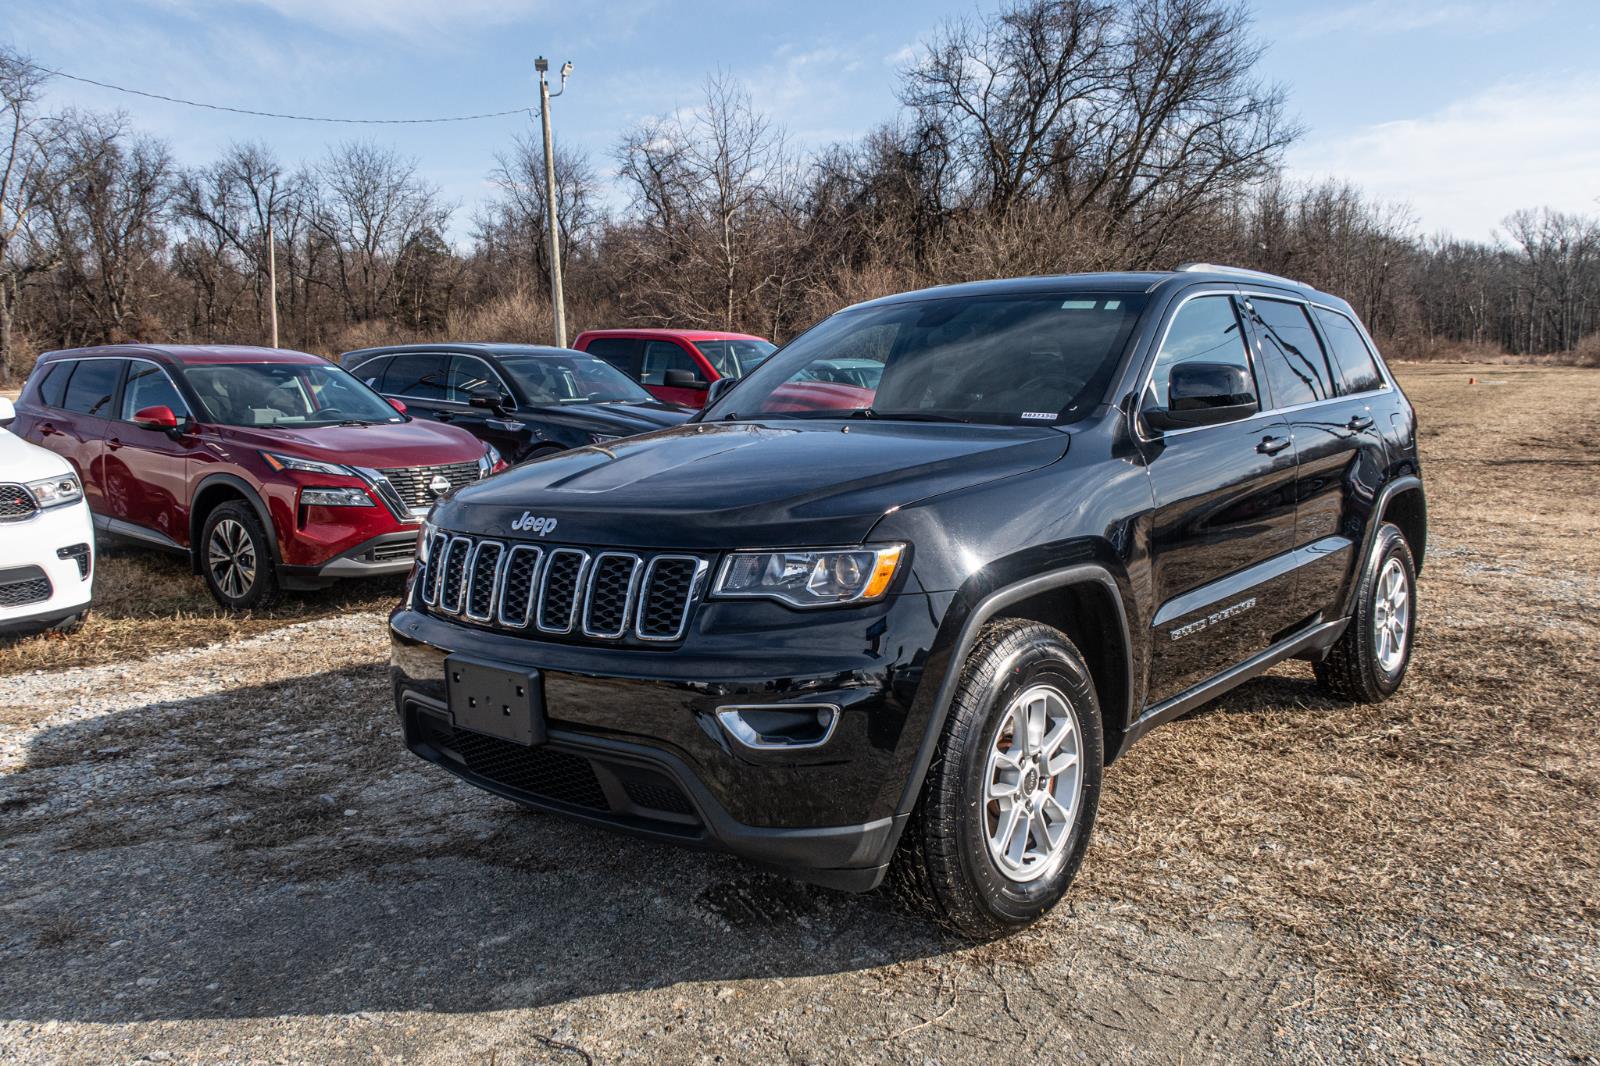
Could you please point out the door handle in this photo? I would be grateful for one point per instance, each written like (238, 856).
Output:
(442, 416)
(47, 430)
(114, 443)
(1272, 445)
(1360, 423)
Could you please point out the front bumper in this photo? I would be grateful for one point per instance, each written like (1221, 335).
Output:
(386, 555)
(634, 741)
(31, 549)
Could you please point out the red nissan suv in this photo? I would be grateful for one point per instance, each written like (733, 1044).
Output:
(271, 469)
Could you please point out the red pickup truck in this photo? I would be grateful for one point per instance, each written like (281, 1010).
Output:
(676, 365)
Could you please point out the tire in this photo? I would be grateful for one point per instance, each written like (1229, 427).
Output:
(950, 860)
(236, 558)
(1365, 666)
(72, 623)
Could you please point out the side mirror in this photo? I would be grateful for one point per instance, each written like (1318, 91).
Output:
(682, 379)
(158, 418)
(8, 411)
(493, 399)
(1206, 394)
(719, 388)
(396, 404)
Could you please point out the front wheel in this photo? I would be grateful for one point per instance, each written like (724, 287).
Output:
(236, 558)
(1009, 802)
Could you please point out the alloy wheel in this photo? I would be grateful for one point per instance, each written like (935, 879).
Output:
(231, 557)
(1391, 615)
(1033, 783)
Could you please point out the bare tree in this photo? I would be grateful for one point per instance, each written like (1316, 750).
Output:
(27, 139)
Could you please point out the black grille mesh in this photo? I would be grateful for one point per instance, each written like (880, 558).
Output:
(455, 569)
(609, 587)
(480, 595)
(15, 502)
(538, 771)
(517, 590)
(21, 593)
(656, 793)
(666, 597)
(558, 602)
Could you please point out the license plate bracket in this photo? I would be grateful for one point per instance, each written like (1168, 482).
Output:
(495, 700)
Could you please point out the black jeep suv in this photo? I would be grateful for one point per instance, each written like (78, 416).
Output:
(824, 624)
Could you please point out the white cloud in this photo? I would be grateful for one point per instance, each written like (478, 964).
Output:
(1383, 17)
(412, 19)
(1463, 168)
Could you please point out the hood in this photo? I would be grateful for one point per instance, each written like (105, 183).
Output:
(746, 484)
(418, 442)
(21, 461)
(616, 419)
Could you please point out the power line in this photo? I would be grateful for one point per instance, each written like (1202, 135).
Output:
(275, 114)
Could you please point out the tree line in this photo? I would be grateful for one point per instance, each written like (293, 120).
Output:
(1049, 136)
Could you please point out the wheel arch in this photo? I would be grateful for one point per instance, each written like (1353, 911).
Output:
(219, 489)
(1086, 602)
(1402, 502)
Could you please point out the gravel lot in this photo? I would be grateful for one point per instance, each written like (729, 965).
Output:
(221, 853)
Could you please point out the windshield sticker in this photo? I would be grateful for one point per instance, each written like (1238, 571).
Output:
(1038, 414)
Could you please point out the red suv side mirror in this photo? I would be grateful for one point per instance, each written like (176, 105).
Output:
(396, 404)
(160, 417)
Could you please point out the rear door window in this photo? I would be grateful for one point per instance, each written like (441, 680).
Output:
(1291, 354)
(371, 373)
(620, 352)
(93, 386)
(417, 376)
(1357, 366)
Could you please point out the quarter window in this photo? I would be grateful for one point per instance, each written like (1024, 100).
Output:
(1356, 364)
(371, 373)
(53, 387)
(1291, 354)
(93, 385)
(1205, 330)
(149, 386)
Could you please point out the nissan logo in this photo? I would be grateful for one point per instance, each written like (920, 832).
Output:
(438, 484)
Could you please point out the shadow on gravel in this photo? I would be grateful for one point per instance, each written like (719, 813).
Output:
(274, 850)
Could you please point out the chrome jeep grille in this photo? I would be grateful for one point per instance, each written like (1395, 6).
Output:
(560, 590)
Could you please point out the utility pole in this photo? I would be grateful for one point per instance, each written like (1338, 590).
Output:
(272, 282)
(557, 301)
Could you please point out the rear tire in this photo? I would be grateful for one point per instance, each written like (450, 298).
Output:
(236, 558)
(1370, 659)
(72, 623)
(1009, 801)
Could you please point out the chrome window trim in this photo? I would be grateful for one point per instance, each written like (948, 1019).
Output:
(461, 591)
(123, 392)
(577, 591)
(471, 581)
(1334, 377)
(628, 599)
(534, 584)
(702, 566)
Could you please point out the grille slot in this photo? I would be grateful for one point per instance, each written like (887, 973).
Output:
(411, 482)
(24, 585)
(516, 589)
(558, 597)
(538, 771)
(561, 591)
(16, 503)
(609, 598)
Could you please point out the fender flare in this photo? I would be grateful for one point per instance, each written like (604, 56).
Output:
(246, 490)
(1369, 536)
(985, 609)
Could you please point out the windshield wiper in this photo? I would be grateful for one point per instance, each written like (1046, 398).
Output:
(903, 416)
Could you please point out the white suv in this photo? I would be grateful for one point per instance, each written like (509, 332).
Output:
(46, 537)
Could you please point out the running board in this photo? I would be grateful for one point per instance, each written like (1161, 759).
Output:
(127, 530)
(1318, 637)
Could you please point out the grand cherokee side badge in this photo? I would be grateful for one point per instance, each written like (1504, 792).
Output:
(1213, 618)
(529, 523)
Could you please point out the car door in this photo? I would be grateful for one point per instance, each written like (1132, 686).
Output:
(467, 375)
(1337, 434)
(146, 471)
(77, 429)
(666, 361)
(1224, 512)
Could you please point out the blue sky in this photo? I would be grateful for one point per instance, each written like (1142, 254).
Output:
(1463, 110)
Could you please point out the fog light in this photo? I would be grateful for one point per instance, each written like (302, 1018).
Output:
(788, 726)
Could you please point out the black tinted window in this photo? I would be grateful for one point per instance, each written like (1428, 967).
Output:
(469, 374)
(371, 372)
(1205, 330)
(92, 386)
(1356, 364)
(620, 352)
(149, 386)
(662, 356)
(417, 377)
(1290, 352)
(53, 386)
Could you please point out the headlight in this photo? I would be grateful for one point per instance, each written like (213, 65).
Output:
(329, 496)
(309, 466)
(424, 535)
(811, 578)
(55, 491)
(491, 459)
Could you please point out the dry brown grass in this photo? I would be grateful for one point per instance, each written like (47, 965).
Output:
(1463, 815)
(149, 601)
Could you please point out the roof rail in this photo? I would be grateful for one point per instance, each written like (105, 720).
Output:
(1260, 275)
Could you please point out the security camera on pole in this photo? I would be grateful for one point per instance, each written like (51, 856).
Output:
(557, 303)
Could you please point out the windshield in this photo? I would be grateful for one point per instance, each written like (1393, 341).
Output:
(285, 394)
(571, 379)
(735, 359)
(1001, 360)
